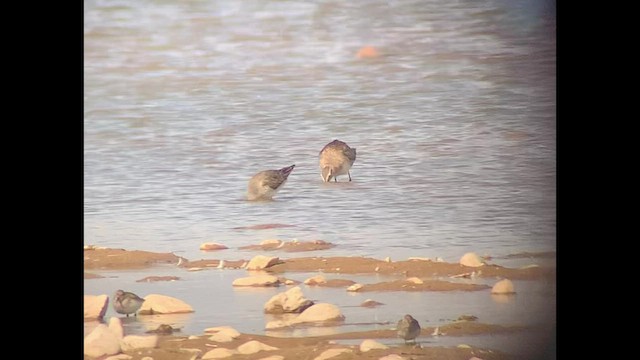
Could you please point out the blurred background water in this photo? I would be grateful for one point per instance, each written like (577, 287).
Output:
(454, 124)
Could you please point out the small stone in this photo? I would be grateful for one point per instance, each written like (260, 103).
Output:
(377, 268)
(195, 269)
(370, 303)
(132, 342)
(471, 260)
(504, 286)
(253, 347)
(369, 344)
(273, 357)
(212, 246)
(219, 353)
(115, 326)
(147, 358)
(416, 258)
(392, 357)
(101, 341)
(355, 287)
(387, 259)
(120, 357)
(260, 262)
(327, 354)
(318, 279)
(193, 337)
(260, 280)
(95, 306)
(270, 242)
(226, 330)
(289, 282)
(415, 280)
(160, 304)
(463, 346)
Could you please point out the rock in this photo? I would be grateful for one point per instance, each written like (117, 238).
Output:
(417, 258)
(95, 306)
(387, 259)
(273, 357)
(467, 318)
(158, 278)
(212, 246)
(132, 342)
(219, 353)
(392, 357)
(355, 287)
(370, 303)
(415, 280)
(463, 346)
(327, 354)
(101, 341)
(270, 242)
(276, 324)
(369, 344)
(195, 353)
(290, 301)
(120, 357)
(260, 280)
(115, 326)
(222, 333)
(147, 358)
(193, 337)
(319, 313)
(289, 282)
(318, 279)
(471, 260)
(161, 304)
(253, 347)
(504, 286)
(260, 262)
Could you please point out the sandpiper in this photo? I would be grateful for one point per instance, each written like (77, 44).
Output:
(336, 158)
(127, 302)
(265, 184)
(408, 328)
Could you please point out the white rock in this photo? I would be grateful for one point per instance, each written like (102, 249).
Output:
(504, 286)
(273, 357)
(260, 280)
(355, 287)
(95, 306)
(369, 344)
(471, 260)
(115, 326)
(219, 353)
(161, 304)
(417, 258)
(101, 341)
(262, 262)
(253, 347)
(290, 301)
(327, 354)
(318, 279)
(276, 324)
(415, 280)
(196, 269)
(289, 282)
(147, 358)
(226, 330)
(270, 242)
(119, 357)
(132, 342)
(220, 337)
(392, 357)
(318, 313)
(463, 346)
(193, 337)
(212, 246)
(387, 259)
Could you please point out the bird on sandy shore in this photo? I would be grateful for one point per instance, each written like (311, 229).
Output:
(408, 328)
(127, 302)
(265, 184)
(336, 158)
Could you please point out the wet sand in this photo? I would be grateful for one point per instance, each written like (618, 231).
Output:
(415, 275)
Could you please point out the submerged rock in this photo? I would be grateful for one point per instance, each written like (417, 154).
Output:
(290, 301)
(504, 286)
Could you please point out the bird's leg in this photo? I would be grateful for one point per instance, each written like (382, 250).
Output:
(349, 175)
(335, 179)
(127, 315)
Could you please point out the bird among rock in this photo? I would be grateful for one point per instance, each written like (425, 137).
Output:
(127, 302)
(408, 328)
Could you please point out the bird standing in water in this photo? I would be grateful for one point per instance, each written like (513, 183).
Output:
(265, 184)
(408, 328)
(127, 302)
(336, 158)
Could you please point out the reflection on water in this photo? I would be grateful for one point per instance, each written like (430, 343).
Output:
(454, 124)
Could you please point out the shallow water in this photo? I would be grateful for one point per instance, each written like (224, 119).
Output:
(454, 125)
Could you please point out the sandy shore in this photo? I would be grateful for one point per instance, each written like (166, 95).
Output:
(173, 346)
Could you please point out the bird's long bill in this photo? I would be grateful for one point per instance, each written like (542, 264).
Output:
(287, 170)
